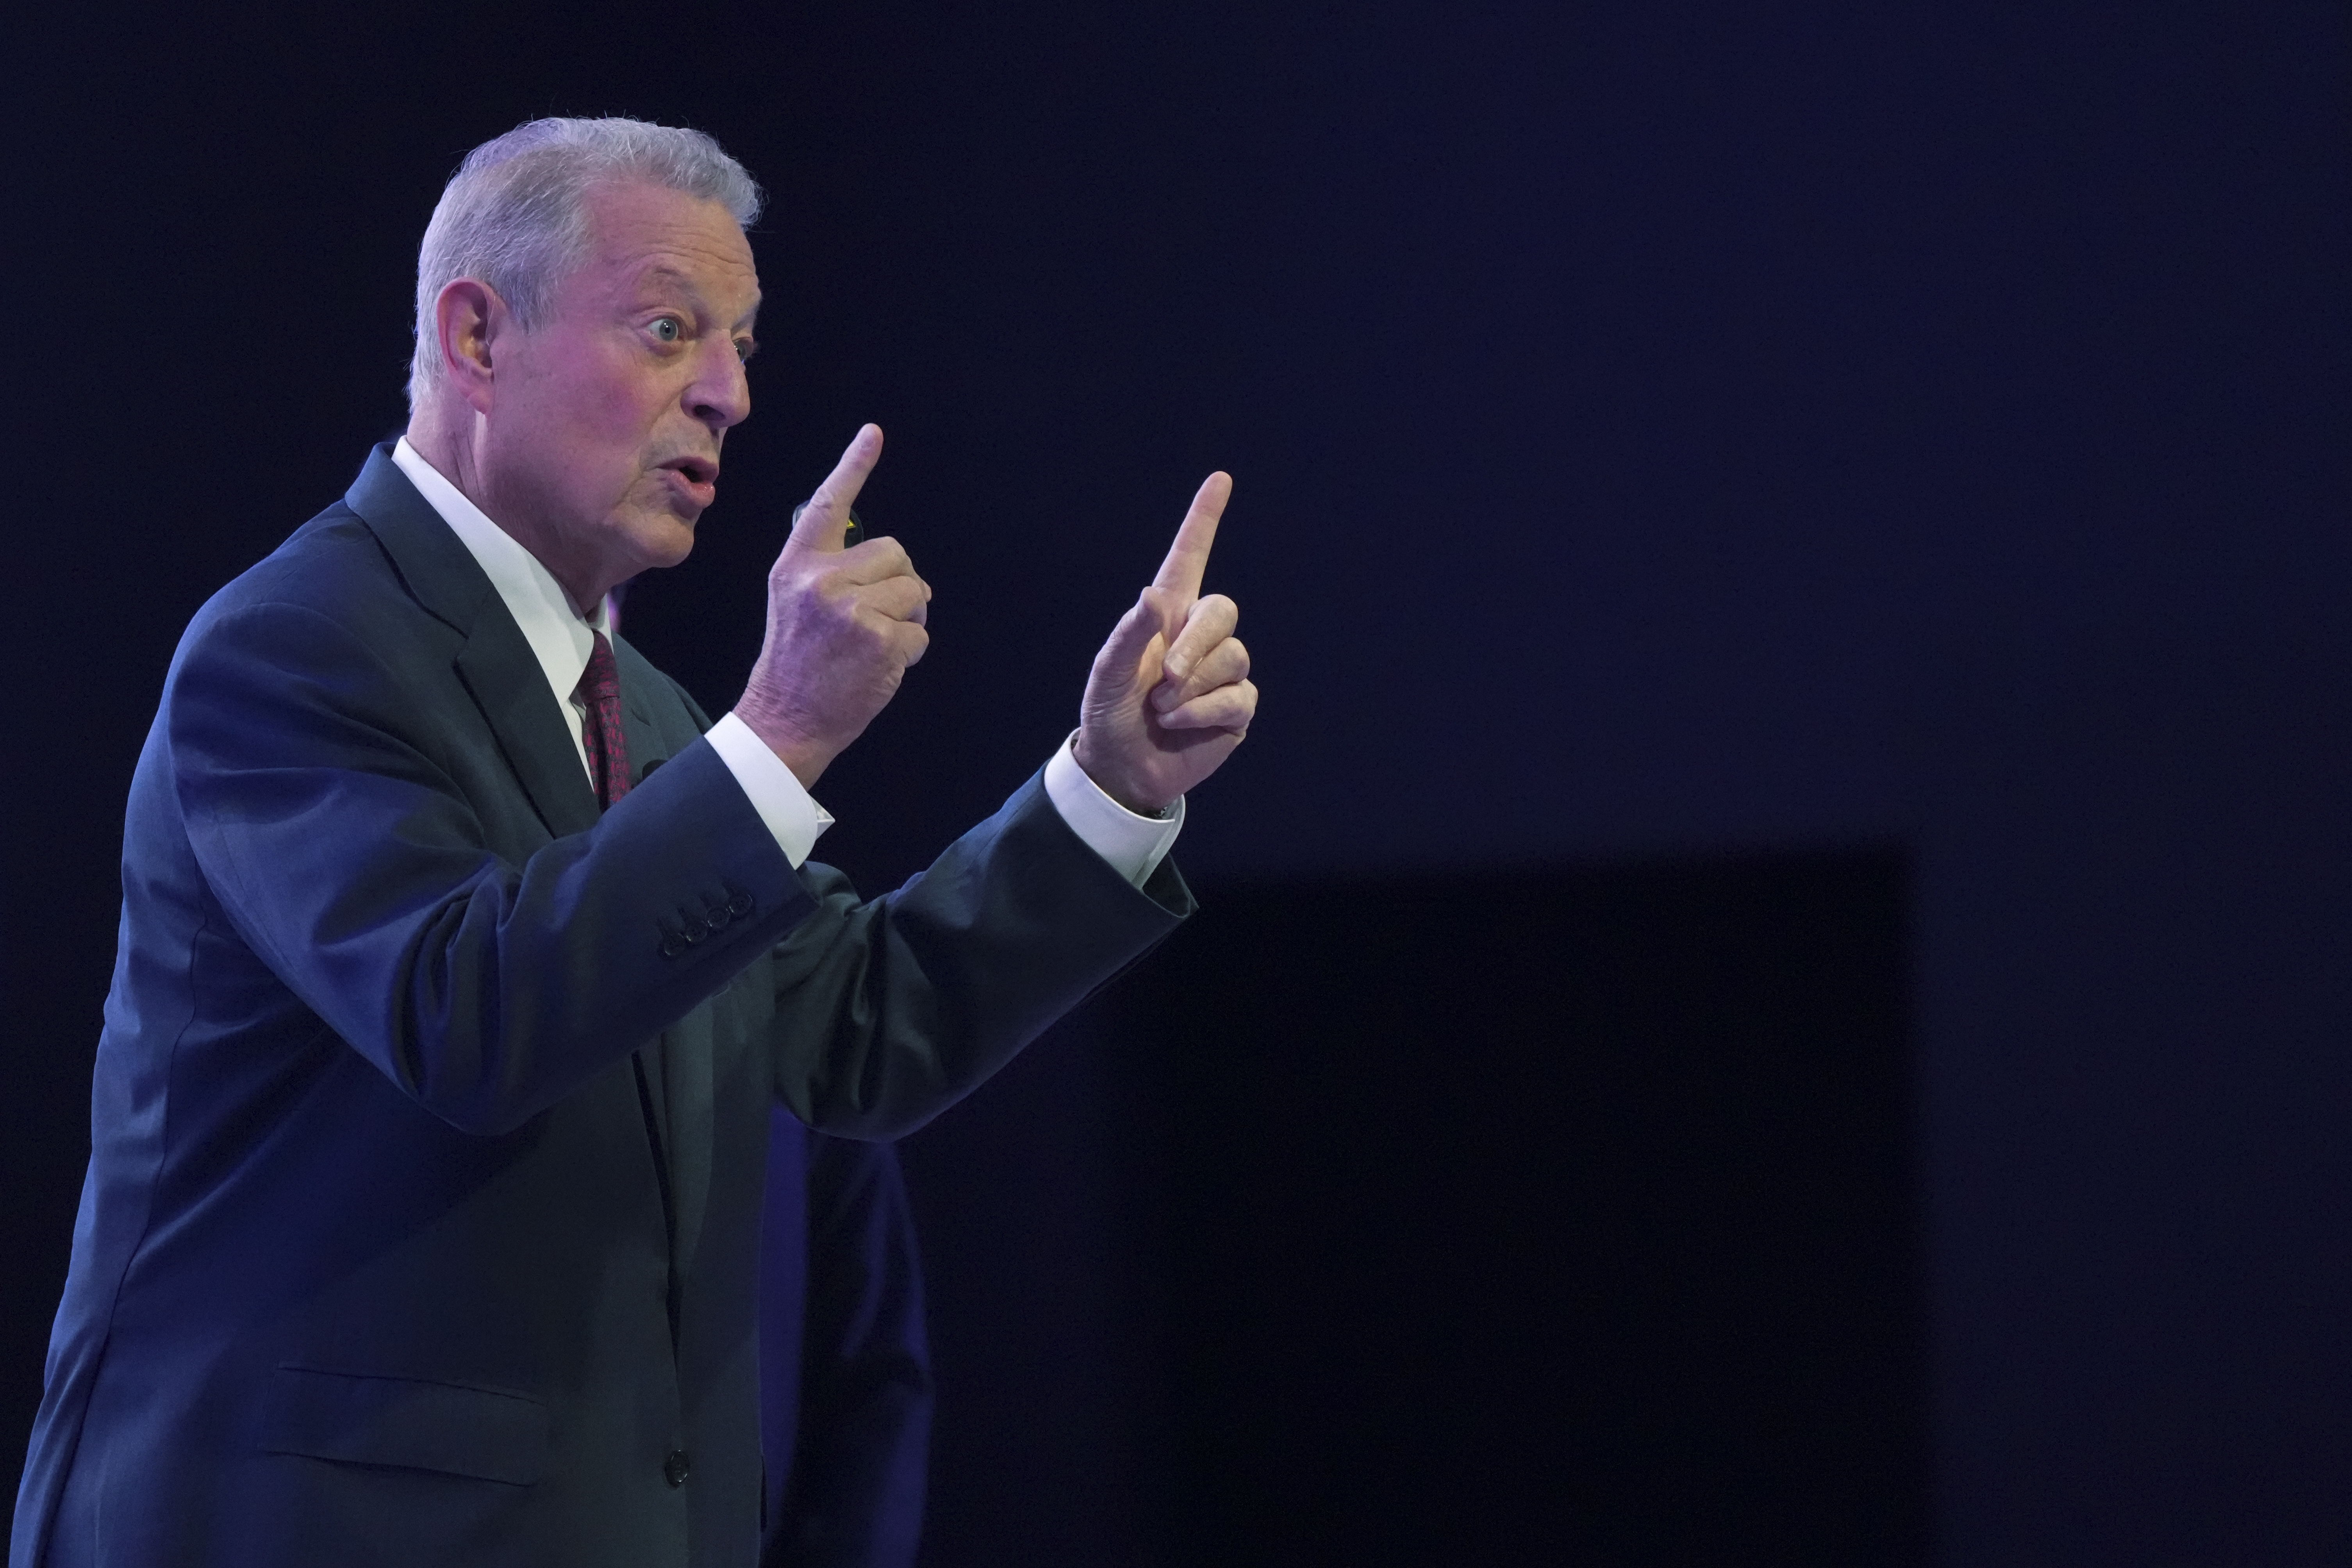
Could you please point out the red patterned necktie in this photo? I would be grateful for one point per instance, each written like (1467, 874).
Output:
(599, 692)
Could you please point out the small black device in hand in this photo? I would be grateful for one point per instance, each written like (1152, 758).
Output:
(853, 535)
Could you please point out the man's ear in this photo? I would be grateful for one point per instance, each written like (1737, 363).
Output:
(471, 320)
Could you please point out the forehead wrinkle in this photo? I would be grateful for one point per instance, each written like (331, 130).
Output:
(660, 271)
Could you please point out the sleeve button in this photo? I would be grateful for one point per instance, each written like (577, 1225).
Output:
(676, 1467)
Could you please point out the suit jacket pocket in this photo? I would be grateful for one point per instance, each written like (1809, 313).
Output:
(406, 1422)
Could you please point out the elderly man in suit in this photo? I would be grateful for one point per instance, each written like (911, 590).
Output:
(430, 1113)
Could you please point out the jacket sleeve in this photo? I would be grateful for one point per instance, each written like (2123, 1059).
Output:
(343, 853)
(888, 1012)
(855, 1498)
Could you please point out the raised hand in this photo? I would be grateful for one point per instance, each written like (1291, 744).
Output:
(1170, 696)
(843, 627)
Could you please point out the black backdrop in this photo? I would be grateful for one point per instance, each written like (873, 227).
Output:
(1682, 428)
(1516, 1217)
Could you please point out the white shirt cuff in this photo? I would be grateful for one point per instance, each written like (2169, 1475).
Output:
(791, 813)
(1133, 846)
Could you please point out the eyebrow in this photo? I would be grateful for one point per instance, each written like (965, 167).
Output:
(663, 272)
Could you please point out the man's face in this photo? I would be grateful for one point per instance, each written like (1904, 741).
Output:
(601, 448)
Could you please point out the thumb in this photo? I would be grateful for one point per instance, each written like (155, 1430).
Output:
(821, 523)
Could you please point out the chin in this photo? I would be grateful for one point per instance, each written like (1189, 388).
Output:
(661, 541)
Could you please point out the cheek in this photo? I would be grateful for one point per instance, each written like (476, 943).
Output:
(622, 407)
(601, 428)
(603, 407)
(609, 399)
(610, 447)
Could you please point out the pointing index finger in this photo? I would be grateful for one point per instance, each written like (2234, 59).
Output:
(824, 520)
(1188, 556)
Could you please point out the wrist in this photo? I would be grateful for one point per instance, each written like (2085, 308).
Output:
(1114, 783)
(806, 758)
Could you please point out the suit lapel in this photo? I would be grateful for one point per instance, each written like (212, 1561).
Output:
(637, 727)
(689, 1109)
(643, 741)
(506, 682)
(511, 691)
(496, 664)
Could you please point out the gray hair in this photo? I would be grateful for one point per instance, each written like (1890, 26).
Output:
(514, 216)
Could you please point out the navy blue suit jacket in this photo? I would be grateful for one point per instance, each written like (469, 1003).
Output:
(428, 1125)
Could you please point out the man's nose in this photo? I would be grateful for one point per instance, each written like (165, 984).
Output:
(721, 394)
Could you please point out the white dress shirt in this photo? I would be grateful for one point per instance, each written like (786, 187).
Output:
(1133, 846)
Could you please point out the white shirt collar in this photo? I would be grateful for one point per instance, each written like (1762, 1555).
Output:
(560, 639)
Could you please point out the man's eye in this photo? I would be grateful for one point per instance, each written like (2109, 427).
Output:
(668, 329)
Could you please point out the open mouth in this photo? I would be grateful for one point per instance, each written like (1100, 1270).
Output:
(700, 476)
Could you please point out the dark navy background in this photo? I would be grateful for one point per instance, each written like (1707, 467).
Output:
(1663, 435)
